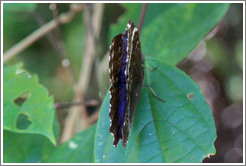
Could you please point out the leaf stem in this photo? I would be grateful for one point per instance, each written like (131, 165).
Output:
(142, 15)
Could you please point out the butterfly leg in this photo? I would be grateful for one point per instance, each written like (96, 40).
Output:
(151, 69)
(156, 96)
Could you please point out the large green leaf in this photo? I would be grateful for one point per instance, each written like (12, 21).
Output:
(179, 130)
(79, 149)
(27, 108)
(174, 34)
(171, 31)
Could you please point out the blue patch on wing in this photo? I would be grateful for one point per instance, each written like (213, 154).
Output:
(122, 85)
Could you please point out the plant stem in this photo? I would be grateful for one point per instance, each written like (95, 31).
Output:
(77, 118)
(60, 44)
(141, 20)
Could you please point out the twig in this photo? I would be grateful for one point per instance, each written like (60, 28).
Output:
(51, 38)
(141, 20)
(49, 35)
(93, 27)
(60, 45)
(68, 105)
(54, 9)
(26, 42)
(86, 66)
(77, 118)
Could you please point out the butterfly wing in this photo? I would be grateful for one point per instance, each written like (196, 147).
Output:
(134, 78)
(115, 56)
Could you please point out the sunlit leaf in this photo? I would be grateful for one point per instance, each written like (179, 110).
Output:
(27, 107)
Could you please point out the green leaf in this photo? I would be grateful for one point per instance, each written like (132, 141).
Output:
(180, 130)
(27, 148)
(79, 149)
(27, 108)
(26, 7)
(171, 31)
(132, 11)
(173, 34)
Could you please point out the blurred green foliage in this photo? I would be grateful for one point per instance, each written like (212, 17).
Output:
(42, 58)
(230, 68)
(16, 7)
(239, 54)
(15, 27)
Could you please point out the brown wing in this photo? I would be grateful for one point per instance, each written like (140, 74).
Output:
(115, 57)
(134, 78)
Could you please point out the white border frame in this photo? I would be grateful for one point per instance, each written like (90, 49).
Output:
(2, 2)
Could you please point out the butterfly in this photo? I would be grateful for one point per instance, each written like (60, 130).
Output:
(126, 75)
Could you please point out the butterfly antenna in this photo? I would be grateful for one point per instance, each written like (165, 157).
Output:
(156, 96)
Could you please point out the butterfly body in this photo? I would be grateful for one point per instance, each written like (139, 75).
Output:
(126, 77)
